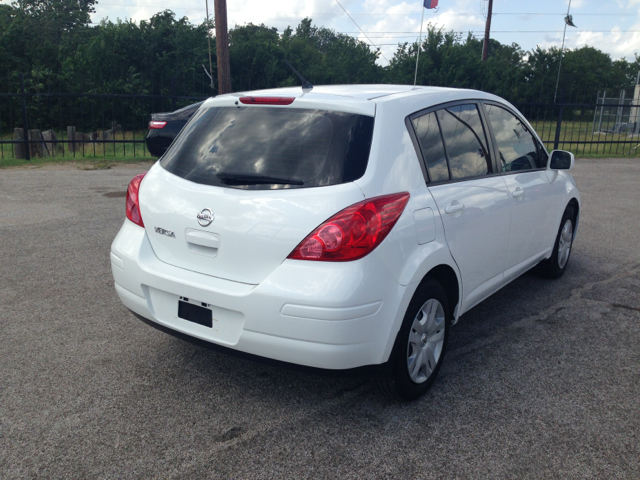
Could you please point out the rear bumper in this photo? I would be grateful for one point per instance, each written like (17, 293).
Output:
(334, 316)
(157, 145)
(364, 371)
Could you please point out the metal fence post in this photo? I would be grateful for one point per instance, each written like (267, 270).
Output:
(595, 113)
(25, 125)
(556, 142)
(604, 100)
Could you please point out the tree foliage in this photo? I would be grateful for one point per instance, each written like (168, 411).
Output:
(56, 46)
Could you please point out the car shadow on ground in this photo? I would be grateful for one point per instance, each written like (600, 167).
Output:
(215, 374)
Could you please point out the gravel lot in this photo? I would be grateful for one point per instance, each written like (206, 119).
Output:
(541, 380)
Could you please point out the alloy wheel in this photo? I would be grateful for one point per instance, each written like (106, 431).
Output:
(426, 340)
(564, 243)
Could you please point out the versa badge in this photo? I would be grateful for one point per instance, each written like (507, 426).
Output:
(162, 231)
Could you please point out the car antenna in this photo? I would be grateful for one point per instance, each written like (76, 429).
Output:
(305, 84)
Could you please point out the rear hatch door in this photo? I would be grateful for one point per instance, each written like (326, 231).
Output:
(252, 232)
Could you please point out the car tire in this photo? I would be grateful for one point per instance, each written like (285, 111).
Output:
(555, 266)
(420, 345)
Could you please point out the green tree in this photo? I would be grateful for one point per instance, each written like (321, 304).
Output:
(56, 46)
(256, 57)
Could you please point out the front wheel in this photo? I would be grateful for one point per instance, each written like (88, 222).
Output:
(420, 346)
(555, 266)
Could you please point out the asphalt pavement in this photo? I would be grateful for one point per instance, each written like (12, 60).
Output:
(542, 380)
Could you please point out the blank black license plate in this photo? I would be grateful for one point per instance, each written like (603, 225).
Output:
(195, 314)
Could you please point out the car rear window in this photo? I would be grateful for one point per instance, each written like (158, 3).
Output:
(311, 148)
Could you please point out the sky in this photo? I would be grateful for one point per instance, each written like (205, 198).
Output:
(612, 26)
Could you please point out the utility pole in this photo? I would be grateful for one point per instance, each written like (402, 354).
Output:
(209, 40)
(487, 30)
(222, 47)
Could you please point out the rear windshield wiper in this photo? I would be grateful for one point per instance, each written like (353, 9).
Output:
(255, 179)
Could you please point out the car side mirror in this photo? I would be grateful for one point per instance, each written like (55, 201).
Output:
(561, 160)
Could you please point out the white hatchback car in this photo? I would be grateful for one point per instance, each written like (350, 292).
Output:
(343, 227)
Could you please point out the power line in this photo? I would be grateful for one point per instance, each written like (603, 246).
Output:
(493, 31)
(354, 22)
(370, 35)
(466, 14)
(388, 14)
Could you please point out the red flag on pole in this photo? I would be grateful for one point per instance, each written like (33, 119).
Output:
(430, 3)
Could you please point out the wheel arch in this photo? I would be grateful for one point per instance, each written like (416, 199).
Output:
(446, 276)
(575, 204)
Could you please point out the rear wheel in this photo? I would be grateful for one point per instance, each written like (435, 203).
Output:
(555, 266)
(420, 346)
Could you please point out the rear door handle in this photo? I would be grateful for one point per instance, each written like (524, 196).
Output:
(454, 208)
(518, 192)
(204, 239)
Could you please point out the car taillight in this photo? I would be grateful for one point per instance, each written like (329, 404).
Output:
(153, 125)
(353, 232)
(133, 202)
(267, 100)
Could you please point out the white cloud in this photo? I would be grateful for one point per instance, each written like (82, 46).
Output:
(382, 19)
(616, 42)
(405, 17)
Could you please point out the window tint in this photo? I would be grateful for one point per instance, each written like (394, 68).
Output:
(465, 141)
(517, 149)
(428, 134)
(225, 146)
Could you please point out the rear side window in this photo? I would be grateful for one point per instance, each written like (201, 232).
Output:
(266, 147)
(465, 141)
(428, 134)
(517, 149)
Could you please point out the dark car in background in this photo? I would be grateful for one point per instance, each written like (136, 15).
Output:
(164, 127)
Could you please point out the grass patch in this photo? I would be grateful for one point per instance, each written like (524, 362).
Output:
(88, 148)
(88, 155)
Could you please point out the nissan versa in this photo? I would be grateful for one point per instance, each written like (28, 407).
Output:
(343, 227)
